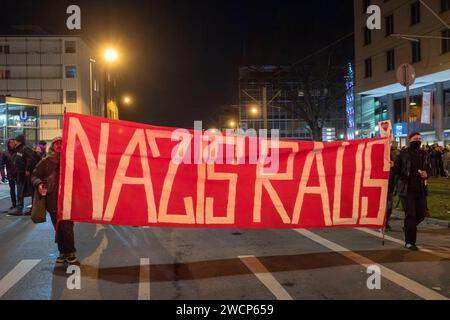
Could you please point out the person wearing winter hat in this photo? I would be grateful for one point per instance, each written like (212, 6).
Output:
(45, 178)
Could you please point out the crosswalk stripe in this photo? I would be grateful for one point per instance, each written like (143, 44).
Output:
(389, 274)
(261, 272)
(14, 276)
(144, 279)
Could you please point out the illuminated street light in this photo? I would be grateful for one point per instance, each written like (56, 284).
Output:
(232, 124)
(110, 55)
(254, 109)
(127, 100)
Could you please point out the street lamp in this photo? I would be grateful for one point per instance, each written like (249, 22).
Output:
(232, 124)
(254, 109)
(110, 55)
(127, 100)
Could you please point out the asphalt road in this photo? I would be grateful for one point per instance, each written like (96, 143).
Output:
(193, 264)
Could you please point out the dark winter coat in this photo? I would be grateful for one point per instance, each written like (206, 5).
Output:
(24, 159)
(47, 171)
(402, 169)
(7, 161)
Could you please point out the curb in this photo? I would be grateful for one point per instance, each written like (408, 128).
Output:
(442, 223)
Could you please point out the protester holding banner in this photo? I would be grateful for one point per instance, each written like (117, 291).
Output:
(45, 178)
(412, 168)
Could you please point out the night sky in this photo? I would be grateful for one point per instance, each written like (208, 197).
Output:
(180, 59)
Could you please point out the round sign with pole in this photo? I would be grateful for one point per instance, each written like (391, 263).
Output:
(406, 75)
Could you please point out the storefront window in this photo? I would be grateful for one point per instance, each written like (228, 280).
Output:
(16, 119)
(22, 116)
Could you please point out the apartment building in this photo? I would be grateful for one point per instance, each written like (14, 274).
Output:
(410, 33)
(58, 73)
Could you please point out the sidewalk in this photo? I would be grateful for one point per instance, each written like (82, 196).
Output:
(442, 223)
(4, 191)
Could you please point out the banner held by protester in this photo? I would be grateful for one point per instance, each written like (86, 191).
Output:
(124, 173)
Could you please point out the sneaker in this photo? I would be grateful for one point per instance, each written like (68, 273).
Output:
(27, 213)
(61, 259)
(72, 259)
(411, 247)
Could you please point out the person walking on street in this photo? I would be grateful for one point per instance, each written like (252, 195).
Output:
(45, 178)
(411, 168)
(24, 160)
(11, 172)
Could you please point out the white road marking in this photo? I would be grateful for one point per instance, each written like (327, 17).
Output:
(14, 276)
(92, 281)
(389, 274)
(401, 242)
(144, 279)
(261, 272)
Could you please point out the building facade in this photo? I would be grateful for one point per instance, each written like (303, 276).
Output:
(61, 72)
(410, 34)
(258, 87)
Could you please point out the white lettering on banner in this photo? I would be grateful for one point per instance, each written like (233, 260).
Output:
(120, 178)
(374, 183)
(179, 153)
(97, 169)
(231, 203)
(337, 220)
(321, 190)
(357, 184)
(202, 212)
(263, 180)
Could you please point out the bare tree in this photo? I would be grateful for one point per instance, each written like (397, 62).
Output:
(321, 94)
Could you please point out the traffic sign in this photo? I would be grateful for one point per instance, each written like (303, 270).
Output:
(406, 75)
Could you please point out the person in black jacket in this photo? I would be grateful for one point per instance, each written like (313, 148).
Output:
(11, 173)
(24, 160)
(45, 178)
(412, 169)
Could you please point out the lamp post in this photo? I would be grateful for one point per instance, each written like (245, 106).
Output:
(110, 55)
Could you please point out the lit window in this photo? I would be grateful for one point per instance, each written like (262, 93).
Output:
(71, 71)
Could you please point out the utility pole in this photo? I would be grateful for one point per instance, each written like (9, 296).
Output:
(408, 130)
(264, 106)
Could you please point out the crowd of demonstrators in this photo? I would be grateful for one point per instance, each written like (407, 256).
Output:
(438, 159)
(27, 171)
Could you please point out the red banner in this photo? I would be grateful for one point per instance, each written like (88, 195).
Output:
(124, 173)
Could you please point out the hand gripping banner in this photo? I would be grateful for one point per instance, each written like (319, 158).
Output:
(124, 173)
